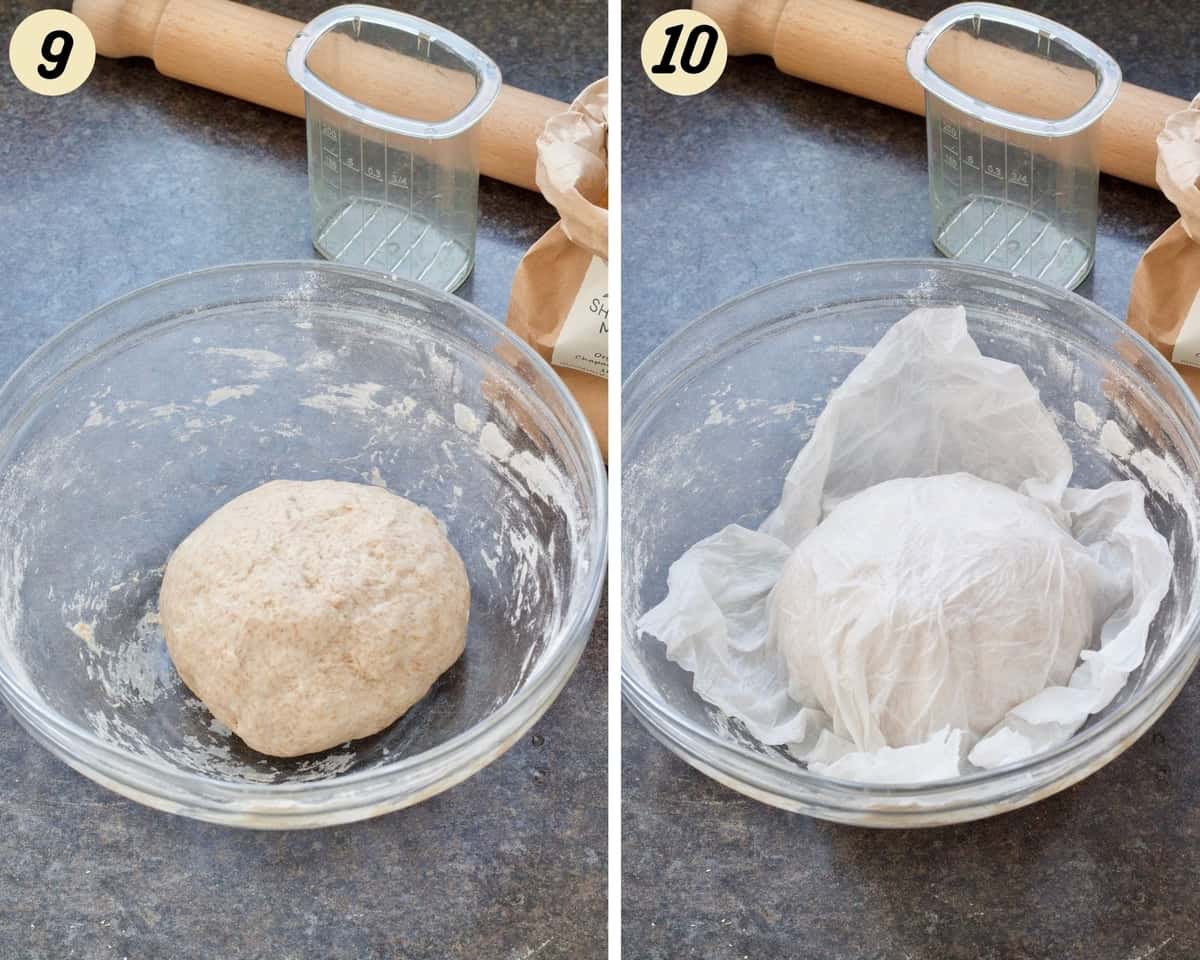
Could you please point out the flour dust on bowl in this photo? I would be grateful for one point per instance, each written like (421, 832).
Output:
(393, 105)
(137, 422)
(715, 418)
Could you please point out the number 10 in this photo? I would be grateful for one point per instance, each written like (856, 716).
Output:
(689, 61)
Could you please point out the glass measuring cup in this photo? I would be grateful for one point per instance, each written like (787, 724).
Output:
(1012, 102)
(393, 104)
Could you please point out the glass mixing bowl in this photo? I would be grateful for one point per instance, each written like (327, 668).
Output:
(715, 416)
(125, 431)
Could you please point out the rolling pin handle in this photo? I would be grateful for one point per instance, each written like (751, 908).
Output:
(122, 28)
(748, 27)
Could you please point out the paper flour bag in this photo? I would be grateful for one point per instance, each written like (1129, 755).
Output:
(1164, 305)
(559, 301)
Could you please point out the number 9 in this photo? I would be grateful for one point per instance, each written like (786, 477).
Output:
(52, 52)
(57, 61)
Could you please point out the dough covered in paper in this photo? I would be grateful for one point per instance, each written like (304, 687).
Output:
(933, 602)
(923, 403)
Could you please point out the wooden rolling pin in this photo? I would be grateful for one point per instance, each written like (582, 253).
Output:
(859, 49)
(239, 51)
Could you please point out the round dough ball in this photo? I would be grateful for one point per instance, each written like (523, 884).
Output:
(920, 604)
(308, 613)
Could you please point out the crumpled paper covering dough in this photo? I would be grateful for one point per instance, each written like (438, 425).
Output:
(932, 602)
(923, 402)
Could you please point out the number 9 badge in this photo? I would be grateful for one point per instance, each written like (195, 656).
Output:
(52, 52)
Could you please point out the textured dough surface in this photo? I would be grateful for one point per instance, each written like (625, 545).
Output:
(308, 613)
(920, 604)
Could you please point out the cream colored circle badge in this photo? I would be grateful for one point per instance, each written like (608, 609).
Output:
(52, 52)
(684, 52)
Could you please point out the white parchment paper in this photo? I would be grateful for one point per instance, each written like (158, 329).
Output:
(923, 402)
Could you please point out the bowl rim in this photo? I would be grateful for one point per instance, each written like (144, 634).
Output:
(480, 740)
(896, 799)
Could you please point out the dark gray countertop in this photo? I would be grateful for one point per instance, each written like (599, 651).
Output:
(136, 177)
(763, 176)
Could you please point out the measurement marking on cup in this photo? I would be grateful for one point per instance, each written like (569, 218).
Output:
(338, 218)
(446, 245)
(388, 236)
(974, 236)
(357, 233)
(1062, 246)
(404, 256)
(1032, 245)
(1007, 234)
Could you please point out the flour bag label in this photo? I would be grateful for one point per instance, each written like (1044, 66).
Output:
(1187, 346)
(583, 340)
